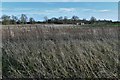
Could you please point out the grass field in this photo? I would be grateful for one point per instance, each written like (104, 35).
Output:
(60, 52)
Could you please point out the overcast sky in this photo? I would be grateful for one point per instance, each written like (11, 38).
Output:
(37, 10)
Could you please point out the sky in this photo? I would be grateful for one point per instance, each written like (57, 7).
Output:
(60, 0)
(37, 10)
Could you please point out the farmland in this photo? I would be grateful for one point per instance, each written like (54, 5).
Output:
(60, 51)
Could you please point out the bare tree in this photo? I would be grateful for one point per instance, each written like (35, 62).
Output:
(31, 20)
(14, 19)
(46, 19)
(23, 19)
(65, 19)
(93, 19)
(75, 18)
(60, 19)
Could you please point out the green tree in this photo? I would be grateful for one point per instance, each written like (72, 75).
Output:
(54, 20)
(5, 19)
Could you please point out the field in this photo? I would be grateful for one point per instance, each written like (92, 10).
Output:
(36, 51)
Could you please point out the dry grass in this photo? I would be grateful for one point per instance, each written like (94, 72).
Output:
(37, 51)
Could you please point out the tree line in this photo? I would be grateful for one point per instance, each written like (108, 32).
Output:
(6, 20)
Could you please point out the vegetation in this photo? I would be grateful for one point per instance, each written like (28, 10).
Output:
(37, 51)
(7, 20)
(59, 47)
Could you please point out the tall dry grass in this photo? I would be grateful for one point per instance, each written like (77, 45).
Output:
(54, 52)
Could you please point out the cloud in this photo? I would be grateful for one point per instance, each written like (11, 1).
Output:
(21, 9)
(103, 10)
(67, 9)
(59, 11)
(37, 11)
(29, 13)
(87, 9)
(94, 10)
(17, 9)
